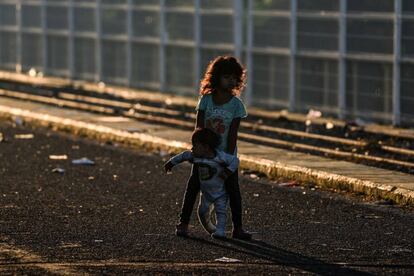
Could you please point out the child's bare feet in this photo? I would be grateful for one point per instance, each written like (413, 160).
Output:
(181, 230)
(240, 234)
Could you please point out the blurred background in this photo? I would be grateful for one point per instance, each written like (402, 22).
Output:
(347, 58)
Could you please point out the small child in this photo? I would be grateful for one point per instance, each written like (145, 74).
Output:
(214, 166)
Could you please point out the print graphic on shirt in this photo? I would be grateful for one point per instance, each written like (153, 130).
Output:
(206, 172)
(216, 120)
(216, 124)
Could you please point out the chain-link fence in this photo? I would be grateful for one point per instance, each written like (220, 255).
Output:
(350, 58)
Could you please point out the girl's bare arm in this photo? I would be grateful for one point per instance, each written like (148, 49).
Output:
(200, 119)
(232, 137)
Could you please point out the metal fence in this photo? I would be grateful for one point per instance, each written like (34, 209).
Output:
(350, 58)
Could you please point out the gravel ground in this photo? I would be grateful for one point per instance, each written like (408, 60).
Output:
(119, 215)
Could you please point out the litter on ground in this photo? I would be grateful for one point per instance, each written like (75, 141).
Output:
(58, 157)
(227, 260)
(83, 161)
(58, 170)
(24, 136)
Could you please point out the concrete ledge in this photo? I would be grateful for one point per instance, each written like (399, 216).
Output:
(272, 169)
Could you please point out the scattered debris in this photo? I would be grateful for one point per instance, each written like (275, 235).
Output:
(400, 249)
(58, 157)
(163, 153)
(254, 176)
(284, 112)
(134, 130)
(75, 147)
(70, 245)
(360, 122)
(313, 114)
(384, 202)
(257, 124)
(308, 126)
(168, 101)
(292, 183)
(58, 170)
(24, 136)
(113, 119)
(227, 260)
(256, 195)
(18, 121)
(83, 161)
(91, 178)
(98, 240)
(369, 216)
(131, 111)
(32, 72)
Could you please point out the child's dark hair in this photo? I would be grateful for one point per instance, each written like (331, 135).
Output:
(223, 65)
(206, 136)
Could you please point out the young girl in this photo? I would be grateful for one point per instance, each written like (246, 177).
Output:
(220, 110)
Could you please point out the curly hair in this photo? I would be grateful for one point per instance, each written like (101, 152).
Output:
(223, 65)
(206, 136)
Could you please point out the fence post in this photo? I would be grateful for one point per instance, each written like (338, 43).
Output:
(238, 28)
(98, 42)
(396, 85)
(162, 63)
(44, 36)
(342, 60)
(18, 66)
(129, 60)
(249, 56)
(71, 48)
(292, 57)
(197, 50)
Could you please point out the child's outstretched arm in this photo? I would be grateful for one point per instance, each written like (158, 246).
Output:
(177, 159)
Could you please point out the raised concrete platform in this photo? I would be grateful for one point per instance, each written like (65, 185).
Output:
(271, 161)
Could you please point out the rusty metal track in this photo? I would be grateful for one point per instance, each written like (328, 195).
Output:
(147, 113)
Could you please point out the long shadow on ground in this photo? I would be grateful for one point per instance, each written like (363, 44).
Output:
(279, 256)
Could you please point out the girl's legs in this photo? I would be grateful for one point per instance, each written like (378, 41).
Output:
(233, 189)
(190, 196)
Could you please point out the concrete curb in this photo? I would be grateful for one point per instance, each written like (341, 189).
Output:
(272, 169)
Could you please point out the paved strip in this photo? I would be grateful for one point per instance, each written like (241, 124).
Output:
(123, 210)
(26, 258)
(271, 161)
